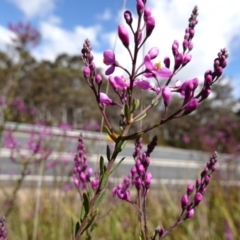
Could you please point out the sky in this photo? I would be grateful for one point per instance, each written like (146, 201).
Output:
(65, 24)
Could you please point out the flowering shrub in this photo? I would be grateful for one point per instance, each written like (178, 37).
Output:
(164, 87)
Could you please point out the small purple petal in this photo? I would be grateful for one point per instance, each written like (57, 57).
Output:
(104, 99)
(153, 52)
(110, 70)
(164, 72)
(166, 94)
(148, 63)
(143, 84)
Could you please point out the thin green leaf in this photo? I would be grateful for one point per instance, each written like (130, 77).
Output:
(136, 104)
(73, 228)
(86, 203)
(77, 228)
(101, 198)
(127, 111)
(85, 207)
(123, 145)
(104, 180)
(101, 165)
(83, 213)
(90, 222)
(108, 153)
(135, 136)
(107, 130)
(117, 165)
(141, 117)
(118, 146)
(154, 102)
(90, 191)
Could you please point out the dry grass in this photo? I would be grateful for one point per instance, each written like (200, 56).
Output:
(219, 212)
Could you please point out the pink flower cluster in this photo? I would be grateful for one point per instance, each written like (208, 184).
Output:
(139, 175)
(82, 172)
(25, 34)
(200, 188)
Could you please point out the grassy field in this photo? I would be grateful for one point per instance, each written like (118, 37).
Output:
(217, 217)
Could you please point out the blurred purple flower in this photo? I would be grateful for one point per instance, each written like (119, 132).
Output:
(155, 70)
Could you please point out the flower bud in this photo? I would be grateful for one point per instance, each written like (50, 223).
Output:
(89, 172)
(159, 231)
(191, 32)
(204, 172)
(166, 62)
(190, 189)
(198, 183)
(95, 184)
(175, 47)
(86, 72)
(140, 7)
(128, 17)
(198, 198)
(184, 201)
(105, 100)
(186, 36)
(191, 106)
(166, 94)
(213, 168)
(190, 45)
(82, 176)
(147, 13)
(98, 79)
(186, 59)
(208, 79)
(224, 64)
(185, 44)
(190, 213)
(207, 180)
(150, 25)
(141, 169)
(203, 190)
(123, 35)
(138, 182)
(153, 52)
(133, 170)
(178, 60)
(219, 71)
(205, 93)
(148, 179)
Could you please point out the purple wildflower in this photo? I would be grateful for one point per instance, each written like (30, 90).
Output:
(3, 231)
(81, 173)
(25, 34)
(155, 70)
(105, 100)
(123, 35)
(109, 59)
(138, 176)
